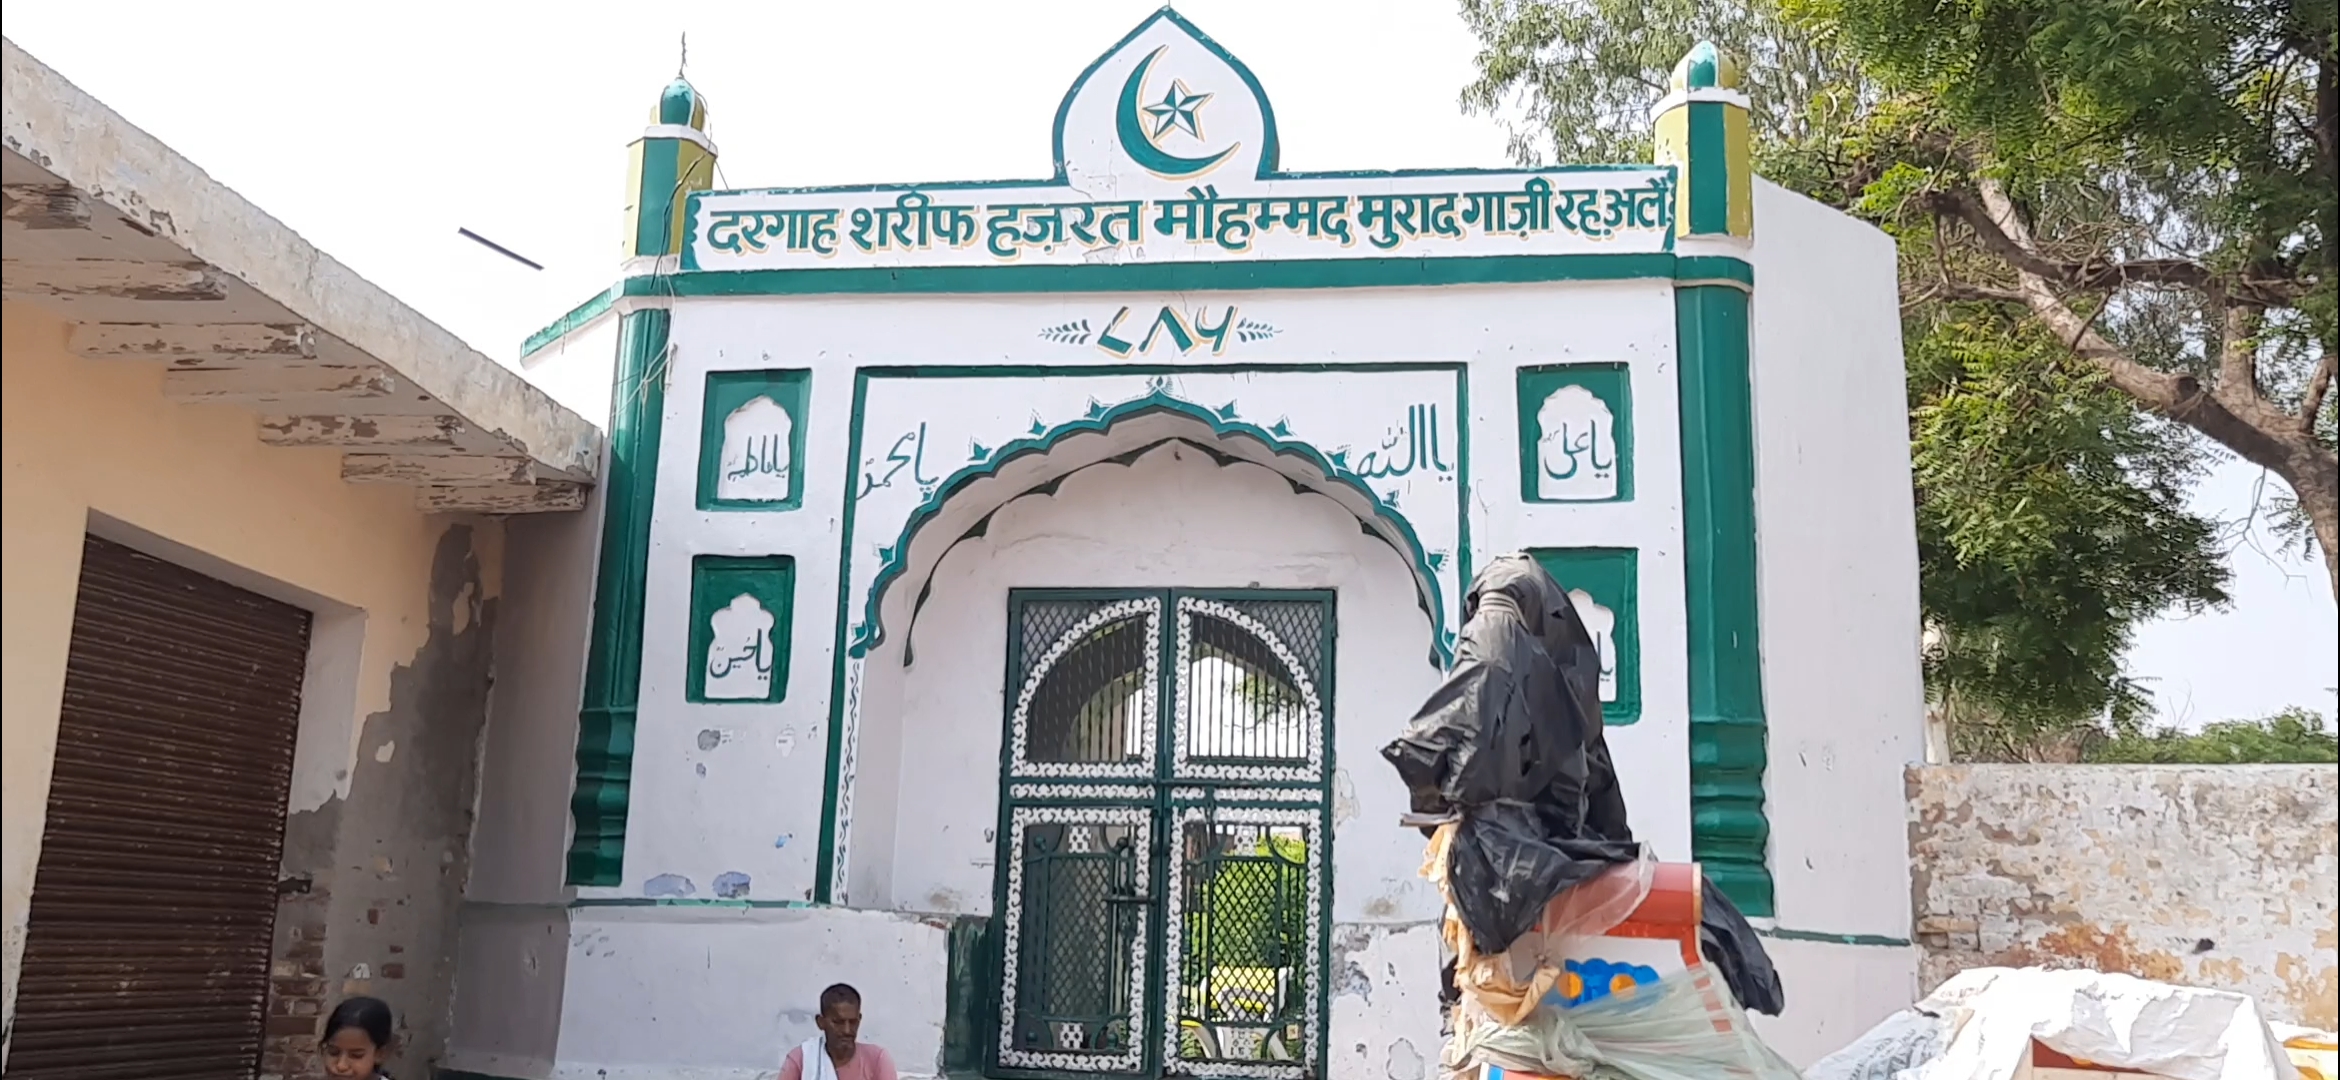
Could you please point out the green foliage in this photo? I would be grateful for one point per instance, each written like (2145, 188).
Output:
(2051, 513)
(2293, 736)
(2171, 168)
(2051, 521)
(1576, 78)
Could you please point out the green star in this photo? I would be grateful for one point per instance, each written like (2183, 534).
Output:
(1177, 110)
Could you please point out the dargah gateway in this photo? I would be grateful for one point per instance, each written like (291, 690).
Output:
(1000, 590)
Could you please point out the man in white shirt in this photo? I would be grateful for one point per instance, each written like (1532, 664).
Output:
(838, 1053)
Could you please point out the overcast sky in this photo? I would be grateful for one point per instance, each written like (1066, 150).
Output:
(377, 130)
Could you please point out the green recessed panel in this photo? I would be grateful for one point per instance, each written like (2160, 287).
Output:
(740, 615)
(1610, 579)
(751, 440)
(1576, 433)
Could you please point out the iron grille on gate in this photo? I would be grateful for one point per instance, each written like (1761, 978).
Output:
(1164, 799)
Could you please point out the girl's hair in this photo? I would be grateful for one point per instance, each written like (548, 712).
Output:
(369, 1015)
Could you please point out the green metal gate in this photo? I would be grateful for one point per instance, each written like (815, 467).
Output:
(1164, 833)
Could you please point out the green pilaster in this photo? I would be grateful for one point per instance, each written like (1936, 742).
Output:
(1728, 830)
(672, 159)
(1702, 130)
(613, 663)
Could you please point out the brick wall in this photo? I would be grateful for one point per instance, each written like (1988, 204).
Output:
(2219, 876)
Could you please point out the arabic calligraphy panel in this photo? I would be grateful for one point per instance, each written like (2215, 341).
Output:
(1576, 433)
(1391, 440)
(1604, 583)
(741, 610)
(751, 440)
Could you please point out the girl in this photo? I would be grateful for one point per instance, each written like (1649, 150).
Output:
(357, 1035)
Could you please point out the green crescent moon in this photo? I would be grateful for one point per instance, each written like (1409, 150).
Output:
(1140, 148)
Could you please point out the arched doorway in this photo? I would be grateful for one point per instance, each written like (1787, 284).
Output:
(1117, 739)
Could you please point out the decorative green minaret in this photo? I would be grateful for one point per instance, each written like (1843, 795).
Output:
(673, 158)
(1702, 132)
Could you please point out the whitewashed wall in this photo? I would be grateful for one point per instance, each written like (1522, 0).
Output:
(1839, 611)
(756, 810)
(737, 789)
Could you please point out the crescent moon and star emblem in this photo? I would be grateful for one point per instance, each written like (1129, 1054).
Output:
(1178, 110)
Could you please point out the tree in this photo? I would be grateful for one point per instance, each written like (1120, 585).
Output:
(2293, 736)
(2050, 513)
(2051, 521)
(2154, 183)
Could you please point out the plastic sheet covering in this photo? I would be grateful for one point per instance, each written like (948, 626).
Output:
(1682, 1027)
(1728, 941)
(1509, 985)
(1512, 743)
(1899, 1048)
(1990, 1017)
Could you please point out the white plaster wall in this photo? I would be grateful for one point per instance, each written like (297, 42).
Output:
(709, 993)
(520, 840)
(1630, 322)
(1171, 518)
(1835, 992)
(1385, 1002)
(512, 931)
(757, 809)
(1839, 607)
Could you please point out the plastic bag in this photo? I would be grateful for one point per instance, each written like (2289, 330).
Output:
(1511, 747)
(1512, 742)
(1898, 1048)
(1685, 1026)
(1728, 942)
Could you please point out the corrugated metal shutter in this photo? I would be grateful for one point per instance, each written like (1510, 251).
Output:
(154, 907)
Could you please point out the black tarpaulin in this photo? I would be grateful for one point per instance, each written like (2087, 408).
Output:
(1512, 744)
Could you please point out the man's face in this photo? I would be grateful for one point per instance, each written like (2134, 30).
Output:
(841, 1022)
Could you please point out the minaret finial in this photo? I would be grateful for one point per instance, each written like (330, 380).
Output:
(685, 60)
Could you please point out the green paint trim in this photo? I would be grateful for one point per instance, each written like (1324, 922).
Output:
(825, 864)
(728, 391)
(662, 181)
(1050, 371)
(1612, 384)
(1708, 269)
(716, 582)
(1824, 937)
(1612, 577)
(687, 902)
(1462, 479)
(894, 558)
(1729, 829)
(613, 665)
(577, 318)
(1161, 277)
(1709, 169)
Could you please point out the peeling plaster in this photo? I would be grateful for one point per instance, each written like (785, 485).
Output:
(2221, 876)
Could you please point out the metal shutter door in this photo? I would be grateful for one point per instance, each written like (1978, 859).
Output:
(154, 907)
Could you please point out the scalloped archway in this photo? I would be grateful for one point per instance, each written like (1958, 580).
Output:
(962, 505)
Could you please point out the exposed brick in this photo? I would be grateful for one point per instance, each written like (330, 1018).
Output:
(292, 1025)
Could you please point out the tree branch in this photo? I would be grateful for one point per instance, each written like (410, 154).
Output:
(2238, 354)
(2319, 384)
(1994, 222)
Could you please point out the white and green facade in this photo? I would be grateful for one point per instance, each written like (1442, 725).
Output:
(1001, 590)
